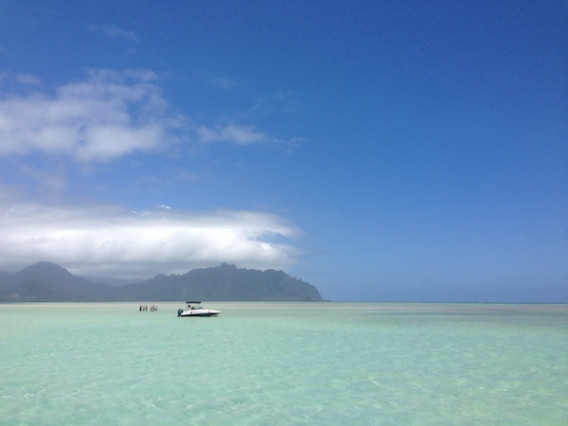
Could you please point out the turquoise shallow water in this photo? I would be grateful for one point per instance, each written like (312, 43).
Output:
(281, 363)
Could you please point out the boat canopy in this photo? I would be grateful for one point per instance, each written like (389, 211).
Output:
(194, 302)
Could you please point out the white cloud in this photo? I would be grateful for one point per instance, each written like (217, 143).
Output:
(108, 115)
(223, 82)
(236, 134)
(279, 102)
(113, 31)
(110, 241)
(28, 79)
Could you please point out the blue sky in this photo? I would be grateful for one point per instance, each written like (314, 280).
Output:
(378, 150)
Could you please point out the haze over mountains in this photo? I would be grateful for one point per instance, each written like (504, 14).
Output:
(48, 282)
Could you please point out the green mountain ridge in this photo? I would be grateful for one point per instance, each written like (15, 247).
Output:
(48, 282)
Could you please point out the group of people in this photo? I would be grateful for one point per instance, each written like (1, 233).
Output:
(144, 308)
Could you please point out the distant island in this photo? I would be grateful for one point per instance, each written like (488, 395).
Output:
(48, 282)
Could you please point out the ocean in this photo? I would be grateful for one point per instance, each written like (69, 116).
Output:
(284, 363)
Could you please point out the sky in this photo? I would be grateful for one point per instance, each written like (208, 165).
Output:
(379, 150)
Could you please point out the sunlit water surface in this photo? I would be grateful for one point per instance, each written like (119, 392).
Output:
(282, 363)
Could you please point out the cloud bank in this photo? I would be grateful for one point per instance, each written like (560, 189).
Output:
(113, 242)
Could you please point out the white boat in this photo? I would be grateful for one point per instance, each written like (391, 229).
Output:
(194, 310)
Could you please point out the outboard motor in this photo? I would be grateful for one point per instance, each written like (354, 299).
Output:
(180, 311)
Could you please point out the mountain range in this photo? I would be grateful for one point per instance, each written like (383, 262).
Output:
(48, 282)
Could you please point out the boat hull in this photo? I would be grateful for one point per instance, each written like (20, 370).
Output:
(199, 313)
